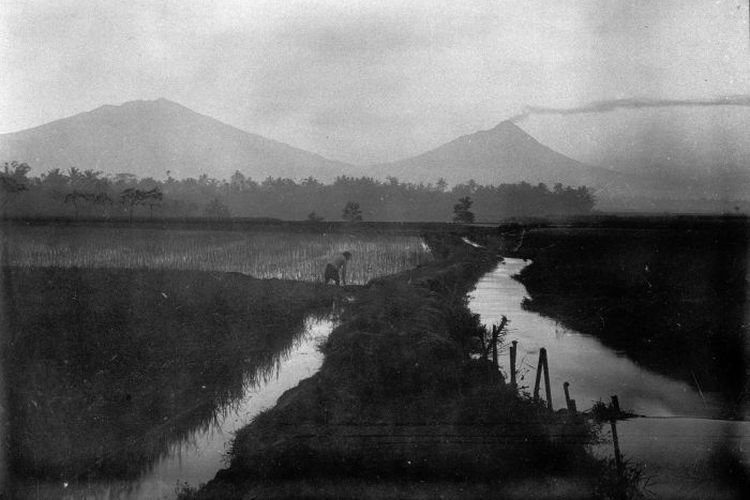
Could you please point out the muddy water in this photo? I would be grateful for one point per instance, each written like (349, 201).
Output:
(197, 459)
(679, 439)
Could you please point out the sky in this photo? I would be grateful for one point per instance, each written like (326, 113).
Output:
(368, 82)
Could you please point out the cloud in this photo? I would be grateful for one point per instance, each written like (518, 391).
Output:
(371, 38)
(631, 103)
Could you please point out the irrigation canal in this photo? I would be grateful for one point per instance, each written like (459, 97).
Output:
(197, 459)
(677, 440)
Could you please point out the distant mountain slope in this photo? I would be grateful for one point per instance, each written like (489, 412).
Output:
(149, 138)
(504, 154)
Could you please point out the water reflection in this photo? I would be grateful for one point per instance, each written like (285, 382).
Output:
(679, 447)
(199, 451)
(593, 370)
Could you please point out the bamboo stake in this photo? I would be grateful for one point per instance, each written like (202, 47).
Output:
(547, 387)
(615, 441)
(513, 347)
(542, 353)
(495, 333)
(570, 403)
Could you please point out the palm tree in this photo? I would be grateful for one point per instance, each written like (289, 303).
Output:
(352, 213)
(12, 181)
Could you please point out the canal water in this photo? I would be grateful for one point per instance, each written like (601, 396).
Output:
(197, 459)
(676, 442)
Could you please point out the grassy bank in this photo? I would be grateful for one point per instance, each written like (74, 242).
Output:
(671, 294)
(105, 369)
(399, 401)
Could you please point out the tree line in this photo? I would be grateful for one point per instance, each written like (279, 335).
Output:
(90, 193)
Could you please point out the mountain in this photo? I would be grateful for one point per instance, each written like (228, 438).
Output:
(504, 154)
(149, 138)
(508, 154)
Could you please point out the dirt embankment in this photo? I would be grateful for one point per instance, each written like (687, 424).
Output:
(400, 402)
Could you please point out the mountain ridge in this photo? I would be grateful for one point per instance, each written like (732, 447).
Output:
(150, 138)
(142, 136)
(503, 154)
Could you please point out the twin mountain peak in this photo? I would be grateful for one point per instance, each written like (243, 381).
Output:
(149, 138)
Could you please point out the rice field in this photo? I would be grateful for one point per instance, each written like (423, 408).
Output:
(270, 254)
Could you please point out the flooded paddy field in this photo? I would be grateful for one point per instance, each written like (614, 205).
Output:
(132, 355)
(262, 253)
(131, 380)
(108, 371)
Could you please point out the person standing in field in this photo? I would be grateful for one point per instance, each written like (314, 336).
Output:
(336, 270)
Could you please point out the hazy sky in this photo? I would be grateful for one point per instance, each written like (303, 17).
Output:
(375, 81)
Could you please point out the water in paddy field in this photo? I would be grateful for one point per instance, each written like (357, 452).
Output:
(679, 439)
(197, 459)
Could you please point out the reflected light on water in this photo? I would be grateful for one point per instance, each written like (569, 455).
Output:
(197, 458)
(677, 448)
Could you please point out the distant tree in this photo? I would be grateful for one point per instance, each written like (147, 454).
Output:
(78, 199)
(311, 181)
(125, 179)
(74, 175)
(131, 198)
(153, 199)
(13, 181)
(389, 199)
(91, 180)
(13, 177)
(313, 217)
(352, 212)
(217, 210)
(237, 181)
(462, 212)
(55, 180)
(104, 201)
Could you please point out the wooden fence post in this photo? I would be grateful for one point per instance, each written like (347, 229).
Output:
(616, 405)
(538, 374)
(615, 441)
(513, 347)
(543, 367)
(547, 387)
(495, 334)
(570, 403)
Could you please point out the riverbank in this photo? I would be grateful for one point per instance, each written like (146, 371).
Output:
(673, 297)
(106, 369)
(400, 407)
(684, 452)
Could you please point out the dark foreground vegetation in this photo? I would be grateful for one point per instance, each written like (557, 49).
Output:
(105, 369)
(400, 409)
(672, 293)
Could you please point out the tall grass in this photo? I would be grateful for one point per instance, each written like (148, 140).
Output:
(110, 370)
(273, 254)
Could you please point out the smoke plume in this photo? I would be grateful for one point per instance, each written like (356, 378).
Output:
(631, 103)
